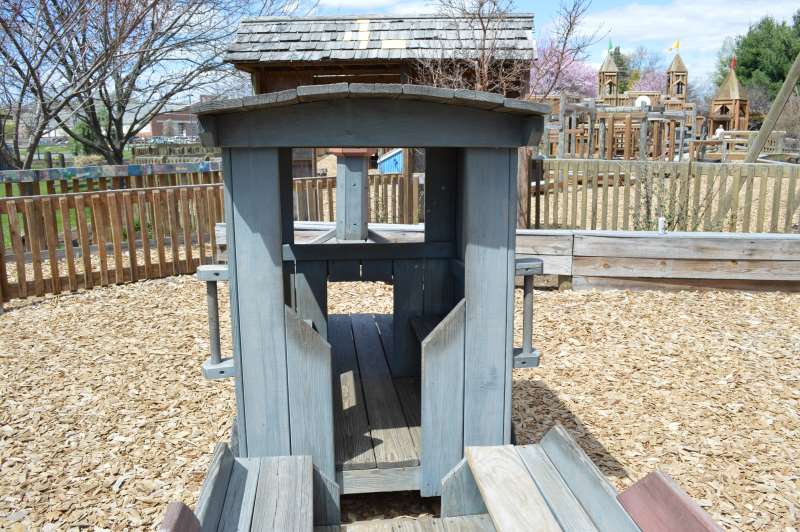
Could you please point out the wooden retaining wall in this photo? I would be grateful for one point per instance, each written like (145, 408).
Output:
(649, 260)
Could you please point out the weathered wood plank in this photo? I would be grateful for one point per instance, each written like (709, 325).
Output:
(404, 359)
(442, 399)
(237, 512)
(489, 185)
(284, 495)
(212, 495)
(460, 493)
(641, 283)
(308, 366)
(678, 246)
(256, 221)
(378, 480)
(512, 499)
(408, 391)
(657, 504)
(311, 293)
(179, 518)
(391, 437)
(353, 442)
(595, 493)
(687, 269)
(565, 507)
(468, 523)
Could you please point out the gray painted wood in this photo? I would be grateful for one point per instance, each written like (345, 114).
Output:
(353, 442)
(460, 494)
(212, 495)
(178, 518)
(308, 361)
(488, 286)
(311, 293)
(344, 270)
(408, 391)
(590, 487)
(391, 437)
(229, 238)
(468, 523)
(369, 251)
(352, 204)
(259, 284)
(378, 480)
(568, 511)
(284, 495)
(286, 195)
(442, 400)
(362, 123)
(512, 499)
(241, 495)
(408, 303)
(326, 499)
(376, 270)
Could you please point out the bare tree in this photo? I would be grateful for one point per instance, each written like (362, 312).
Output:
(476, 56)
(174, 56)
(566, 46)
(37, 35)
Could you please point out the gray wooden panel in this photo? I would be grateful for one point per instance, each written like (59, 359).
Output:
(385, 324)
(376, 270)
(595, 493)
(362, 123)
(512, 499)
(352, 205)
(259, 285)
(212, 495)
(532, 243)
(666, 268)
(308, 360)
(378, 480)
(179, 518)
(344, 270)
(240, 499)
(408, 391)
(568, 511)
(408, 303)
(391, 437)
(468, 523)
(326, 499)
(228, 231)
(438, 287)
(442, 400)
(311, 293)
(460, 494)
(441, 191)
(351, 428)
(701, 246)
(488, 289)
(284, 495)
(286, 195)
(357, 251)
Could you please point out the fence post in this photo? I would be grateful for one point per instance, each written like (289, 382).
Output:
(48, 159)
(537, 174)
(523, 188)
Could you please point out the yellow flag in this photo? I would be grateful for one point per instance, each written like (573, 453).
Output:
(675, 46)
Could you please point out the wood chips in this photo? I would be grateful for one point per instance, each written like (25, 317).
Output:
(105, 416)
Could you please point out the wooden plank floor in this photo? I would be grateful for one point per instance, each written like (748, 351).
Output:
(376, 417)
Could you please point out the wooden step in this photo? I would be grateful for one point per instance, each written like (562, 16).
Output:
(511, 497)
(471, 523)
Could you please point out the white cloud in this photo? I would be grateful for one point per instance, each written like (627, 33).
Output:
(701, 25)
(356, 4)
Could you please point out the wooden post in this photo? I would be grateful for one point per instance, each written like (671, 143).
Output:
(352, 206)
(601, 141)
(523, 188)
(643, 138)
(537, 174)
(590, 140)
(775, 111)
(562, 125)
(610, 138)
(628, 141)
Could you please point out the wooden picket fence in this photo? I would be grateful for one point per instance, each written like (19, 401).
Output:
(632, 195)
(110, 177)
(394, 198)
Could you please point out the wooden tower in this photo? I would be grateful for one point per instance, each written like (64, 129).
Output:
(730, 107)
(677, 79)
(608, 81)
(445, 355)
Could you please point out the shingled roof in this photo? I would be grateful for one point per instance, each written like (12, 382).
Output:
(376, 38)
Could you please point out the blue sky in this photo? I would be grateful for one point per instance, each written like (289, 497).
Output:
(701, 25)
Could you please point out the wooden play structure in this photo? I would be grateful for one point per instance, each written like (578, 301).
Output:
(329, 405)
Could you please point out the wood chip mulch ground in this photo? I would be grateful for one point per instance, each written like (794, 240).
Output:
(105, 417)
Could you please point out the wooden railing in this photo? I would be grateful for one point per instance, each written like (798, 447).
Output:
(394, 198)
(631, 195)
